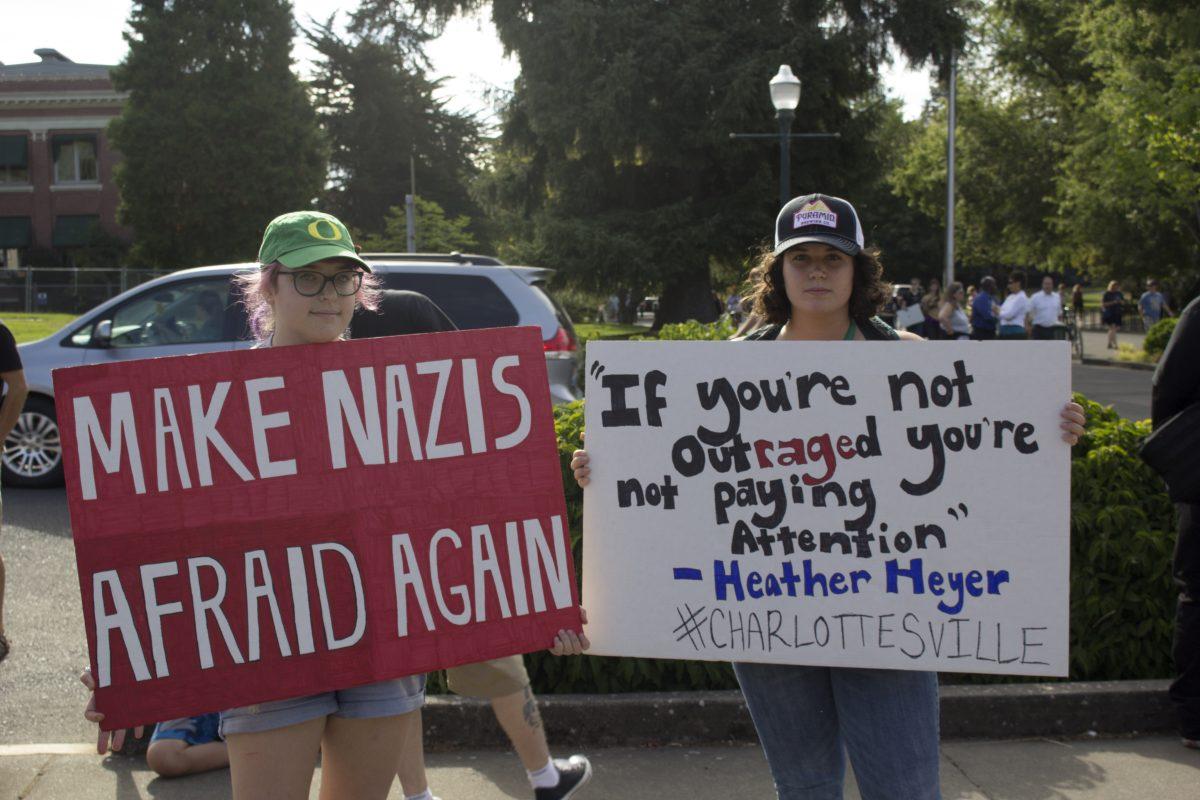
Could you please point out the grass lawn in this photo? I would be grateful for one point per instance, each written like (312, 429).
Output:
(605, 330)
(31, 327)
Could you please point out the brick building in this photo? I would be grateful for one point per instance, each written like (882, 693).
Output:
(56, 166)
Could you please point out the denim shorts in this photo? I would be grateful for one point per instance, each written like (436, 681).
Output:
(192, 730)
(383, 699)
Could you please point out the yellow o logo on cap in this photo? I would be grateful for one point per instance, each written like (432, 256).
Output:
(315, 231)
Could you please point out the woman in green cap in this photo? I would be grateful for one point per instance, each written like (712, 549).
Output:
(309, 283)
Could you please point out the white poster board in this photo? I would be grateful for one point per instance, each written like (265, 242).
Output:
(900, 506)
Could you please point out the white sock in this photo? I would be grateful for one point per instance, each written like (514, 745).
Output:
(546, 777)
(425, 795)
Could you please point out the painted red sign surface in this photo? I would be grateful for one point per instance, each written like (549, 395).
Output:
(265, 524)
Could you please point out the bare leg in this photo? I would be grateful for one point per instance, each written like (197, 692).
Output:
(412, 757)
(172, 758)
(275, 765)
(359, 756)
(518, 715)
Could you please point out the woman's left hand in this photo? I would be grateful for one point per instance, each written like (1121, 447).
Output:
(1073, 421)
(570, 643)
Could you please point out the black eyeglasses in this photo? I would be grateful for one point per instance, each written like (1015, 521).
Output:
(310, 283)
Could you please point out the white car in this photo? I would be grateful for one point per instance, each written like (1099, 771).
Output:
(171, 316)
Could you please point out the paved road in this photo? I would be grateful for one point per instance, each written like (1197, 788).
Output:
(1127, 390)
(1040, 769)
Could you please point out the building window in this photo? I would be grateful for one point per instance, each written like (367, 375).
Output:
(75, 159)
(74, 230)
(14, 159)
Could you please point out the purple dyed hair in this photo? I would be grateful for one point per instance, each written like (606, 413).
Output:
(255, 286)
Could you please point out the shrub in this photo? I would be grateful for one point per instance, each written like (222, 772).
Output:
(692, 330)
(1122, 536)
(1158, 336)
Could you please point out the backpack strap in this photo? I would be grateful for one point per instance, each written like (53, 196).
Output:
(765, 333)
(875, 329)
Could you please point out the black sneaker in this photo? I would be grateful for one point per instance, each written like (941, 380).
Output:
(573, 773)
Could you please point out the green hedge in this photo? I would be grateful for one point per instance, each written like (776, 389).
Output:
(1122, 537)
(1122, 599)
(1158, 336)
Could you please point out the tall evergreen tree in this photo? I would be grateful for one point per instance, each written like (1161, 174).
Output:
(616, 141)
(384, 125)
(218, 135)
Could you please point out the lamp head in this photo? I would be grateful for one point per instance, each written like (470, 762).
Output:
(785, 89)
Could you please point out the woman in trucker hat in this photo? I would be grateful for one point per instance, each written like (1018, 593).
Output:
(819, 282)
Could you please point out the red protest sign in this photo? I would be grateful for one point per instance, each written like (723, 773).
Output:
(258, 525)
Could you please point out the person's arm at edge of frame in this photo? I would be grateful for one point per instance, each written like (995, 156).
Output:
(14, 400)
(1171, 389)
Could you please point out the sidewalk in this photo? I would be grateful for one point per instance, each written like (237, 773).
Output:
(1095, 348)
(1030, 769)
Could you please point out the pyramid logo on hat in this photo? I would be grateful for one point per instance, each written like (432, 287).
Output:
(814, 213)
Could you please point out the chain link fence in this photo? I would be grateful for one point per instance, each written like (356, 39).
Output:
(68, 290)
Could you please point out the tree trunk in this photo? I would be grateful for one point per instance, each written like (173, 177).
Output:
(688, 296)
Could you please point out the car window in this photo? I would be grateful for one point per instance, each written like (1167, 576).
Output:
(182, 313)
(83, 336)
(471, 301)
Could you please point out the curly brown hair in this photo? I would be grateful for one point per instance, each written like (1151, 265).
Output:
(769, 295)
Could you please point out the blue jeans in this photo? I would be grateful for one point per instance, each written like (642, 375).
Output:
(808, 718)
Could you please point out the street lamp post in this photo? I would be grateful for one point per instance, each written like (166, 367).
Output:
(785, 96)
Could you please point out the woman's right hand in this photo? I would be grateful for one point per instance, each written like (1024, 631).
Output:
(579, 465)
(106, 740)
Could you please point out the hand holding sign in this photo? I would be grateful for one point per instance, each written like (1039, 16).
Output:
(105, 740)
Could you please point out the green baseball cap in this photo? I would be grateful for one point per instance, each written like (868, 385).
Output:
(300, 238)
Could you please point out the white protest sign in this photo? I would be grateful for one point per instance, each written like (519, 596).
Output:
(892, 505)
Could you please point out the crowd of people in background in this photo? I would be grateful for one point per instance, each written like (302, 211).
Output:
(983, 312)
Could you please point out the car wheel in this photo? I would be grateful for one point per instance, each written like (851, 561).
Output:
(33, 450)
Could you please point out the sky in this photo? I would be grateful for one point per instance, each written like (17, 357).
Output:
(467, 57)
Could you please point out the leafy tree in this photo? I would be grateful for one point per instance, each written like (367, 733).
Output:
(1006, 156)
(218, 136)
(435, 231)
(615, 150)
(1120, 80)
(377, 106)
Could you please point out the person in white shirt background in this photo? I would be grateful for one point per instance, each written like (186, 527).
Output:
(1046, 307)
(1014, 309)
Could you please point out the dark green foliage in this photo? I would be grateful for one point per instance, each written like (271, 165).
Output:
(1158, 336)
(218, 136)
(435, 232)
(620, 167)
(1122, 536)
(691, 330)
(1122, 598)
(377, 107)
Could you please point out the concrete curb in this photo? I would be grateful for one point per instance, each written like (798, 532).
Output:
(1105, 362)
(629, 720)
